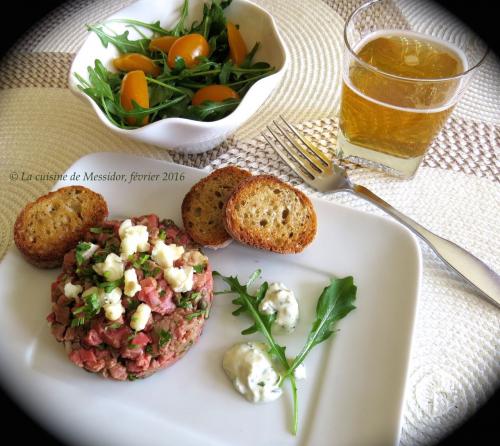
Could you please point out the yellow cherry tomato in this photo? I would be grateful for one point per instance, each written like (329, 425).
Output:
(216, 93)
(162, 43)
(134, 87)
(237, 47)
(189, 47)
(136, 61)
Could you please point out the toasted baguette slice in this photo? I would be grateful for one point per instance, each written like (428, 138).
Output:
(266, 213)
(49, 227)
(202, 207)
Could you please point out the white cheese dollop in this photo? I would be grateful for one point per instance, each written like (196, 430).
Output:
(131, 284)
(140, 317)
(114, 311)
(166, 255)
(194, 258)
(300, 372)
(72, 291)
(123, 227)
(249, 368)
(113, 297)
(112, 268)
(280, 300)
(134, 239)
(180, 279)
(111, 302)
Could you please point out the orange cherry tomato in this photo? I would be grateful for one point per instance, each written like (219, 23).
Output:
(237, 47)
(136, 61)
(134, 87)
(189, 47)
(162, 43)
(216, 93)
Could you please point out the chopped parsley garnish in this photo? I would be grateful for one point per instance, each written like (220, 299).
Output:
(194, 315)
(114, 325)
(162, 293)
(152, 273)
(149, 349)
(112, 246)
(132, 336)
(185, 302)
(165, 336)
(77, 322)
(199, 268)
(100, 256)
(80, 249)
(101, 230)
(162, 235)
(131, 377)
(110, 286)
(86, 272)
(133, 304)
(140, 261)
(195, 295)
(91, 308)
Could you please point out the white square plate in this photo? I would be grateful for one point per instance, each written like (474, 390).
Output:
(354, 391)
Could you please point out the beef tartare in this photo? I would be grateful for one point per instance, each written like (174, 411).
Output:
(132, 298)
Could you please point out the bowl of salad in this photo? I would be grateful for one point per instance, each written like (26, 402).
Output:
(180, 74)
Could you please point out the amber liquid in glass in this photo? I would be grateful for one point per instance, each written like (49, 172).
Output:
(395, 117)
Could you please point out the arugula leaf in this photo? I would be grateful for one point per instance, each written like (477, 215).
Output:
(336, 302)
(262, 323)
(249, 57)
(179, 29)
(155, 27)
(210, 110)
(121, 41)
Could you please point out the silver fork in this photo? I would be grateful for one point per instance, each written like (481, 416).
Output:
(319, 172)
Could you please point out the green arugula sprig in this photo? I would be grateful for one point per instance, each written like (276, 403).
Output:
(249, 303)
(335, 302)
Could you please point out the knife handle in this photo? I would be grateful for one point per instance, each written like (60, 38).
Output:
(473, 270)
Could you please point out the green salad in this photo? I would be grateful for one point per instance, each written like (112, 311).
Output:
(198, 72)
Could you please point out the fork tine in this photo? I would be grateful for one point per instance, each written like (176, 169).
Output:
(297, 166)
(324, 160)
(299, 149)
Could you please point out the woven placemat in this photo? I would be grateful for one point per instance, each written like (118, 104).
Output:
(455, 363)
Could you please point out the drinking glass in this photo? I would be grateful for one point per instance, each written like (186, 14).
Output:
(400, 84)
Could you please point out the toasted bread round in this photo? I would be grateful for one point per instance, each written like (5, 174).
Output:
(49, 227)
(267, 213)
(202, 207)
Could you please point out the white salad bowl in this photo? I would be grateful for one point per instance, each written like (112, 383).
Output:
(180, 134)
